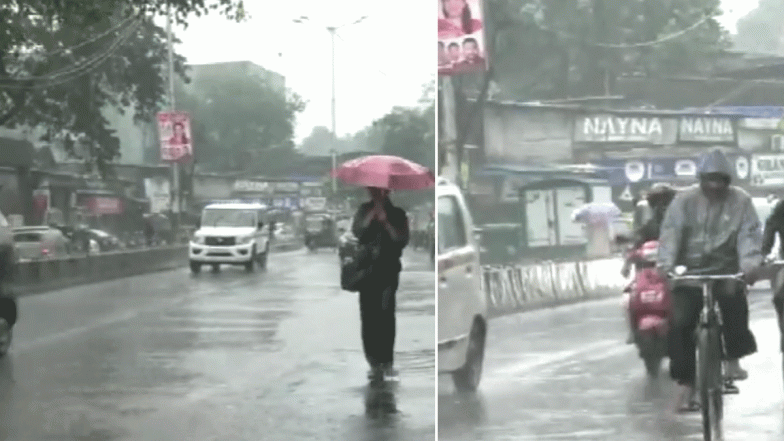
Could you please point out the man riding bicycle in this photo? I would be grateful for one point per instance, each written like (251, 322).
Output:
(775, 224)
(711, 225)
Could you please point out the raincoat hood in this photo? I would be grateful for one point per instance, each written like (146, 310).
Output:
(715, 161)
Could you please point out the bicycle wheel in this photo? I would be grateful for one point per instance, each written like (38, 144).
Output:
(710, 382)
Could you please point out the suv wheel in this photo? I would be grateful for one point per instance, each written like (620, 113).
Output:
(467, 378)
(249, 265)
(263, 260)
(5, 337)
(195, 267)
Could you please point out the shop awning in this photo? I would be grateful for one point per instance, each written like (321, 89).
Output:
(16, 153)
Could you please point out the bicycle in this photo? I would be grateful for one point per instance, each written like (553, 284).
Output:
(710, 349)
(776, 282)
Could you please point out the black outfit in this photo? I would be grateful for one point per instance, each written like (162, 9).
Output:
(775, 224)
(686, 306)
(648, 231)
(377, 297)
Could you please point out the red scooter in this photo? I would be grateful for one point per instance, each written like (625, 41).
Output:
(649, 306)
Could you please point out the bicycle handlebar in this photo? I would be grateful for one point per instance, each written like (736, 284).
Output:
(706, 277)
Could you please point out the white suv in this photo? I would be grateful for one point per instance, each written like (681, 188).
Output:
(462, 307)
(231, 233)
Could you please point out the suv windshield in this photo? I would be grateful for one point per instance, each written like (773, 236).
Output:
(228, 218)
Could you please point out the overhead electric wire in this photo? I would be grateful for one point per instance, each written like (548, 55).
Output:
(92, 39)
(84, 68)
(67, 70)
(656, 42)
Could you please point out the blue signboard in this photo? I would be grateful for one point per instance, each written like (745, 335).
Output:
(640, 170)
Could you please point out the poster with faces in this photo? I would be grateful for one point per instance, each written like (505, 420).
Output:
(461, 42)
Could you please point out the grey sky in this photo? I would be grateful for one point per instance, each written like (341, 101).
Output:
(380, 63)
(735, 9)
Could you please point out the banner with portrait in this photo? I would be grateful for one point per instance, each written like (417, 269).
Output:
(174, 131)
(461, 37)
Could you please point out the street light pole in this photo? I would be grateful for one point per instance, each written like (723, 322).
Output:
(332, 32)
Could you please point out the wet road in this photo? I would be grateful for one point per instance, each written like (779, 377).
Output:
(274, 355)
(565, 374)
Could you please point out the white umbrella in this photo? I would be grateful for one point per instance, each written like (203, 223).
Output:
(596, 212)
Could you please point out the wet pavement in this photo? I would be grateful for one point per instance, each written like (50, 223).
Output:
(566, 374)
(274, 355)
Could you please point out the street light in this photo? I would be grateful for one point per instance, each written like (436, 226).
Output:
(332, 32)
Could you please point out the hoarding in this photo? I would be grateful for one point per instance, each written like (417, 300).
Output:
(461, 42)
(174, 131)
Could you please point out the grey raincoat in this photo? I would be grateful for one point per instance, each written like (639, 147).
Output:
(724, 235)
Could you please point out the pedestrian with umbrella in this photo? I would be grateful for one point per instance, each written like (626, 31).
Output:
(598, 218)
(380, 233)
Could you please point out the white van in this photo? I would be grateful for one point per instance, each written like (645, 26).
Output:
(462, 306)
(231, 233)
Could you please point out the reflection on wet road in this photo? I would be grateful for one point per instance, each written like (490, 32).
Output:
(565, 374)
(274, 355)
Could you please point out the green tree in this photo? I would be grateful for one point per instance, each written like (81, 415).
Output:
(238, 114)
(760, 30)
(62, 62)
(318, 142)
(409, 133)
(555, 49)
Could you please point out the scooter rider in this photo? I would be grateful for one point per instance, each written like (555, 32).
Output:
(659, 197)
(711, 225)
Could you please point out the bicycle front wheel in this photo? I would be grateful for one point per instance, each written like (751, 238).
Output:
(710, 382)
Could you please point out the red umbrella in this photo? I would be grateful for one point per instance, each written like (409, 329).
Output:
(384, 171)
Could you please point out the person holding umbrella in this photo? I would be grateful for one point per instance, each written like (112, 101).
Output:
(381, 229)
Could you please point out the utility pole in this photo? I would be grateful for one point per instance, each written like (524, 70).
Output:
(333, 150)
(173, 107)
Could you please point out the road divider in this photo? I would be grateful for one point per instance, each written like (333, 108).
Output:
(516, 288)
(37, 276)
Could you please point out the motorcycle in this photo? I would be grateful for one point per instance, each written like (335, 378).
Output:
(649, 307)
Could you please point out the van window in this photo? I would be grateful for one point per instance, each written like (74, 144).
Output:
(451, 226)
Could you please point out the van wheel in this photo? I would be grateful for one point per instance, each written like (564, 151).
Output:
(195, 267)
(5, 337)
(467, 378)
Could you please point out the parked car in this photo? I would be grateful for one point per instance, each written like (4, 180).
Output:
(31, 243)
(105, 241)
(462, 306)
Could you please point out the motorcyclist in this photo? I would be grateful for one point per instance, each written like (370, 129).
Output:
(775, 224)
(711, 225)
(659, 198)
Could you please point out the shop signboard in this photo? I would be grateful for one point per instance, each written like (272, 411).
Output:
(767, 170)
(158, 192)
(706, 129)
(251, 186)
(103, 205)
(615, 128)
